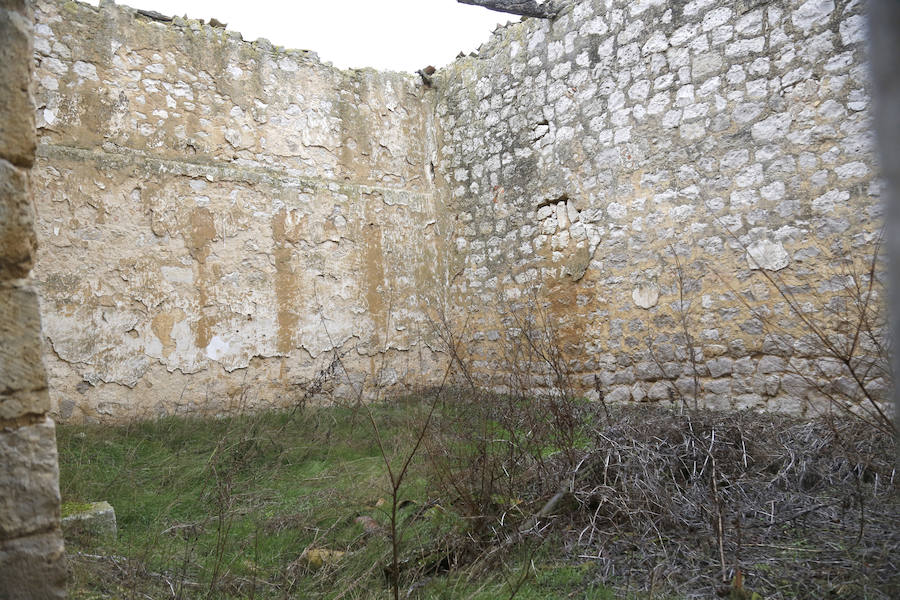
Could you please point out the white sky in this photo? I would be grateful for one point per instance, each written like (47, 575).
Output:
(397, 35)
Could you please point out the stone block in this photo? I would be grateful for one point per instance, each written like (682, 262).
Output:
(720, 366)
(748, 402)
(19, 403)
(23, 382)
(721, 387)
(17, 238)
(96, 520)
(29, 480)
(660, 390)
(619, 394)
(17, 138)
(33, 567)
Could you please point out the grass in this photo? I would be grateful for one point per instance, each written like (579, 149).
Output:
(225, 508)
(655, 504)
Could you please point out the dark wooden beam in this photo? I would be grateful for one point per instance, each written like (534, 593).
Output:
(525, 8)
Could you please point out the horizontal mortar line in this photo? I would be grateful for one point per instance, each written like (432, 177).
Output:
(254, 174)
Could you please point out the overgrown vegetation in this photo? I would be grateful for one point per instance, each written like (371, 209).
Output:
(527, 491)
(656, 505)
(262, 506)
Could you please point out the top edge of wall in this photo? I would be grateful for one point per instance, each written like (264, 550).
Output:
(176, 23)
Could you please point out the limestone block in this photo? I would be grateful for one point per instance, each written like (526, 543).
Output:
(23, 381)
(812, 13)
(660, 391)
(29, 476)
(17, 140)
(720, 366)
(17, 239)
(645, 296)
(768, 255)
(749, 402)
(33, 567)
(97, 520)
(637, 393)
(618, 394)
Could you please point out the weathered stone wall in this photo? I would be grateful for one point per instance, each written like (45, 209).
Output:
(31, 547)
(592, 159)
(216, 215)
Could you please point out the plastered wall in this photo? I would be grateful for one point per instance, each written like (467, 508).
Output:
(217, 216)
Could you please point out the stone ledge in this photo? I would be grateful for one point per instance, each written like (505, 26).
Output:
(222, 171)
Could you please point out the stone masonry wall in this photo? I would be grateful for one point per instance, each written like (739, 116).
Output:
(217, 215)
(31, 546)
(592, 159)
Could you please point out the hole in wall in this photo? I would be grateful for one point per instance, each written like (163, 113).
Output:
(540, 130)
(552, 201)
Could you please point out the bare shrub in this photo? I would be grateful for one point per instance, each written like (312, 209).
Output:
(698, 499)
(833, 337)
(500, 454)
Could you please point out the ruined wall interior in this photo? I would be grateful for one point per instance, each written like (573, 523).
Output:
(585, 155)
(31, 546)
(216, 215)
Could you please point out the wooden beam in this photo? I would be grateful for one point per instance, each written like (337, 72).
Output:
(525, 8)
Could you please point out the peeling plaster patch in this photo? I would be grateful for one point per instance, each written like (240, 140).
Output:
(178, 275)
(218, 348)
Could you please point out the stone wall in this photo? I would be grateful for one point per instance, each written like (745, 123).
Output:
(634, 165)
(643, 179)
(31, 547)
(217, 215)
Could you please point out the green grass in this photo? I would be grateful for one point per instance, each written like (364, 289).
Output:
(224, 508)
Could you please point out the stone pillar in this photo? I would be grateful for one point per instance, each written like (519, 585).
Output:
(32, 564)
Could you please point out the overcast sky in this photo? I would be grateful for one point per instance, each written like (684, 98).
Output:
(398, 35)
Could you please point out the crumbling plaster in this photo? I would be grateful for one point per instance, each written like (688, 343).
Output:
(219, 215)
(216, 216)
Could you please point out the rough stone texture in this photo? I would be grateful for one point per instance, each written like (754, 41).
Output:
(33, 567)
(17, 125)
(693, 143)
(31, 547)
(17, 240)
(98, 521)
(29, 479)
(24, 382)
(218, 215)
